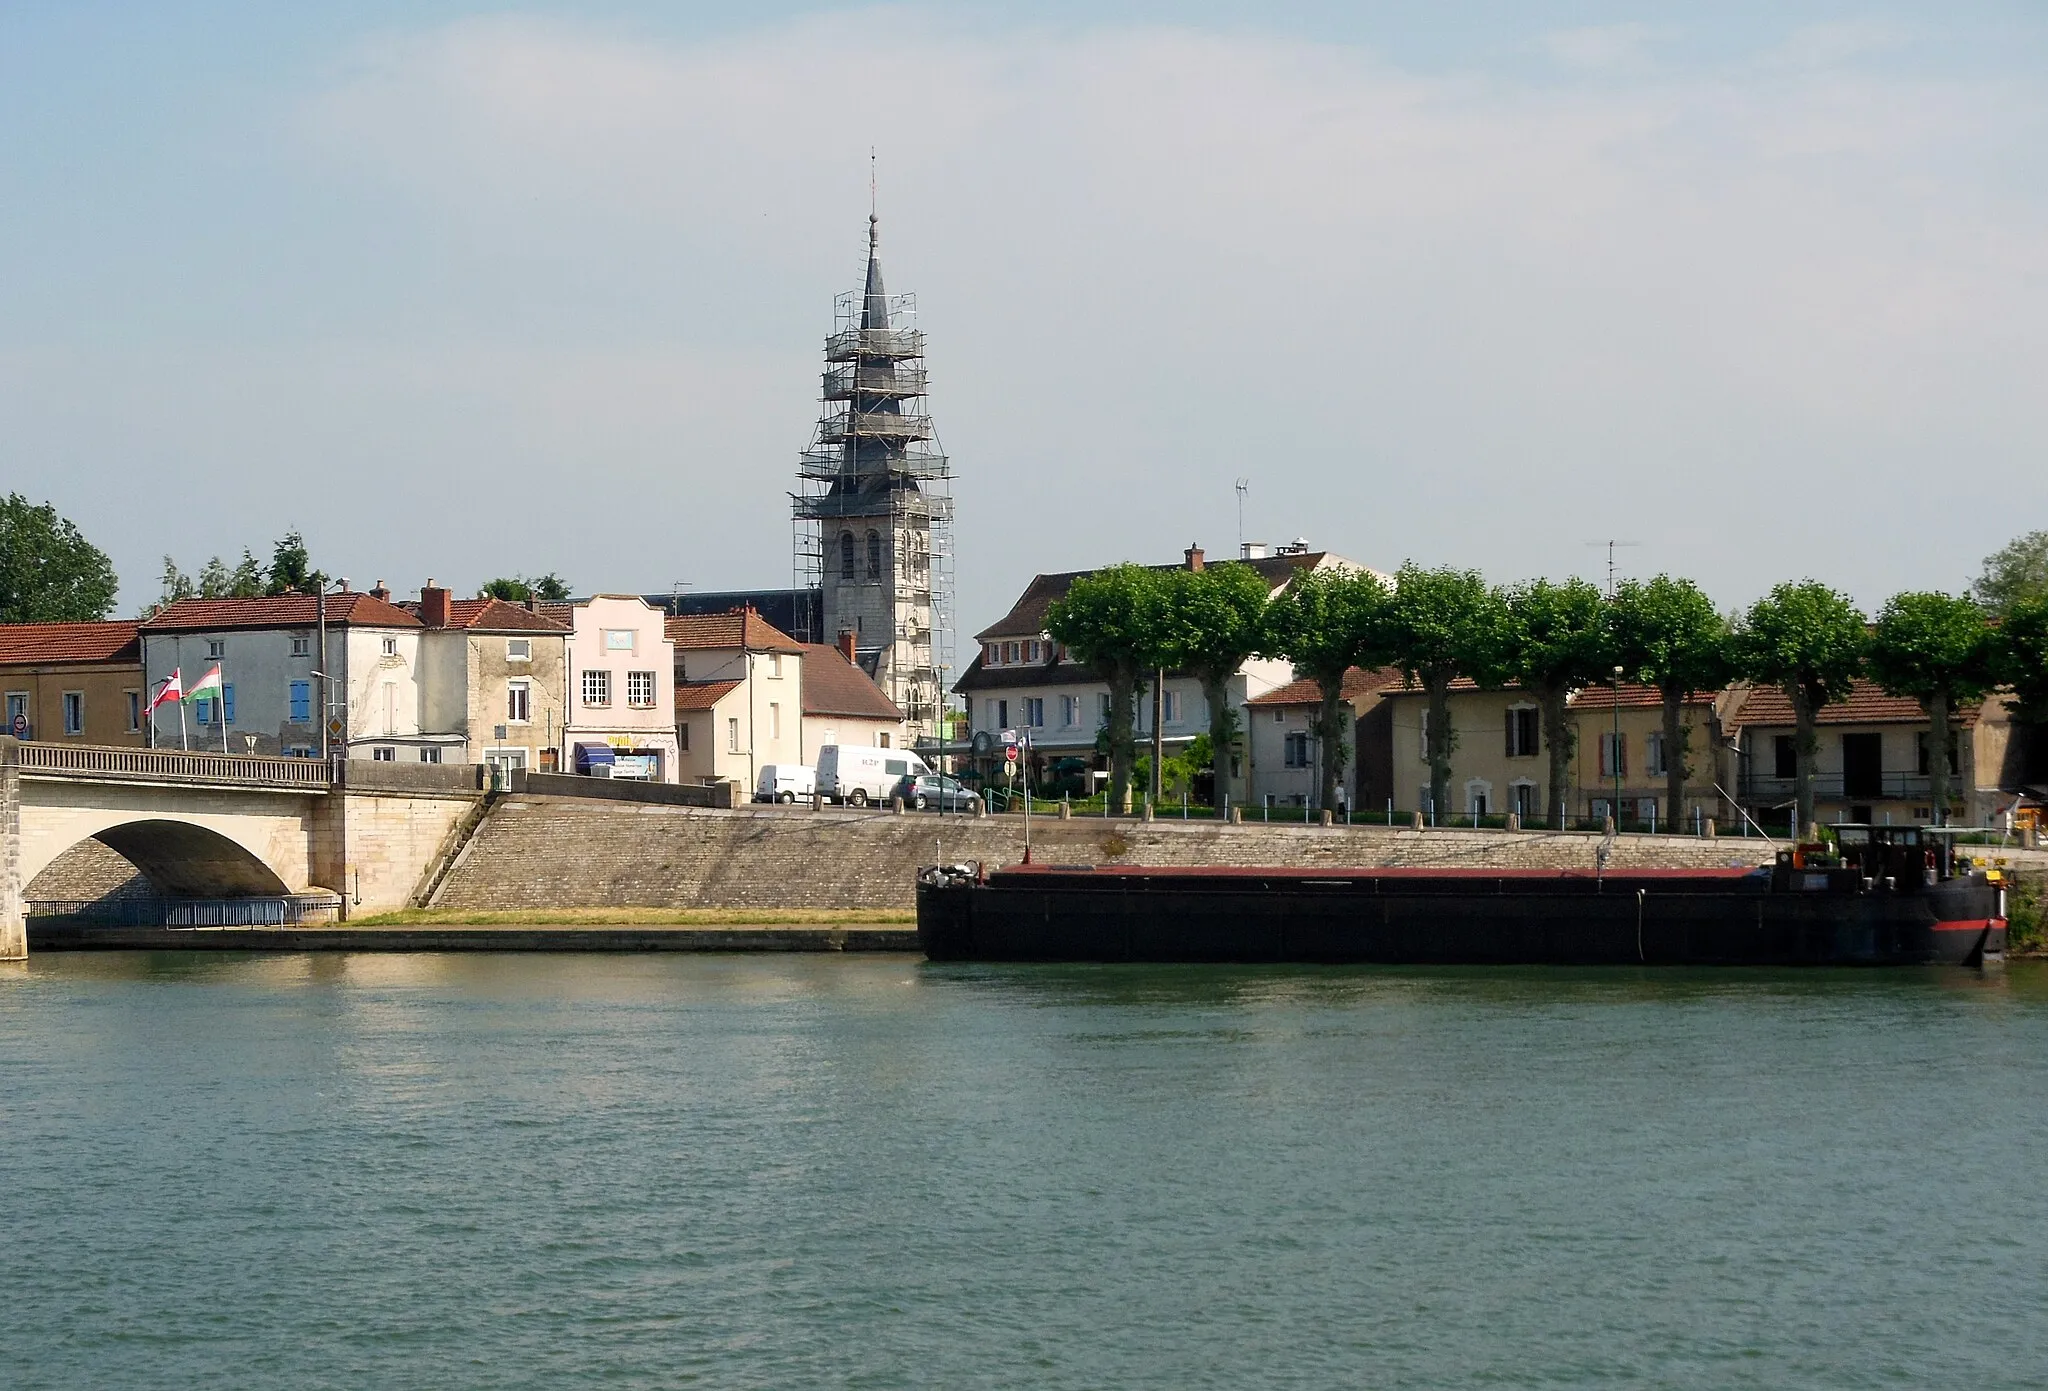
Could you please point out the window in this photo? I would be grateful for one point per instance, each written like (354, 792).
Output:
(775, 664)
(1173, 706)
(1279, 717)
(391, 707)
(298, 751)
(895, 767)
(1922, 738)
(620, 640)
(683, 737)
(846, 570)
(1002, 714)
(597, 687)
(1653, 756)
(302, 702)
(384, 755)
(774, 720)
(1102, 706)
(882, 740)
(1522, 796)
(302, 646)
(1296, 755)
(216, 648)
(732, 735)
(874, 555)
(227, 700)
(1785, 756)
(1070, 711)
(1613, 755)
(430, 755)
(17, 708)
(202, 710)
(1034, 712)
(518, 701)
(640, 689)
(390, 647)
(991, 653)
(1032, 654)
(518, 649)
(1010, 654)
(134, 711)
(74, 712)
(1522, 732)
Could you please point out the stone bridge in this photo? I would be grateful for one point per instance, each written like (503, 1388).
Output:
(207, 826)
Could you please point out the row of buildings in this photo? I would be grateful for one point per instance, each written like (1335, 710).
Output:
(609, 685)
(1872, 763)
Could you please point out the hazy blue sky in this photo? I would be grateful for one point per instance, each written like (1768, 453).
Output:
(1763, 287)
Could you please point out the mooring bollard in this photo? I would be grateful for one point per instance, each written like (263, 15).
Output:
(1514, 821)
(896, 805)
(1418, 822)
(1329, 817)
(1237, 816)
(1148, 808)
(1708, 826)
(1066, 810)
(817, 800)
(1607, 827)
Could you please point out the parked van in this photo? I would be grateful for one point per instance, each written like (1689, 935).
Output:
(857, 775)
(785, 782)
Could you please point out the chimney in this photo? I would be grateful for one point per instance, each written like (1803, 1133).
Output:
(846, 644)
(1252, 550)
(1194, 555)
(378, 591)
(533, 603)
(433, 605)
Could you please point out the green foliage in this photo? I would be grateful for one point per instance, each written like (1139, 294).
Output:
(517, 589)
(290, 565)
(1928, 645)
(1114, 622)
(2020, 656)
(1443, 624)
(1558, 638)
(1806, 638)
(1326, 622)
(1212, 618)
(2016, 572)
(1667, 634)
(2026, 917)
(216, 580)
(49, 572)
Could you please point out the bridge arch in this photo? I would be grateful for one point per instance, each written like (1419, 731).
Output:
(182, 856)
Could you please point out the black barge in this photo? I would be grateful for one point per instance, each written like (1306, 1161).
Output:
(1881, 896)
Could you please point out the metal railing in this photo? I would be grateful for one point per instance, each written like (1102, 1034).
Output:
(1896, 786)
(842, 382)
(874, 342)
(176, 765)
(873, 425)
(285, 910)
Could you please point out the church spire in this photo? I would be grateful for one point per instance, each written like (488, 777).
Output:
(875, 308)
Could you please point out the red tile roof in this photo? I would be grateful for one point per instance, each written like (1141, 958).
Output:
(739, 628)
(1358, 684)
(1632, 697)
(41, 644)
(1026, 617)
(495, 616)
(703, 695)
(1768, 705)
(835, 686)
(278, 611)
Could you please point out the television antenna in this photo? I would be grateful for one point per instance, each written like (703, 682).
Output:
(1612, 546)
(1244, 485)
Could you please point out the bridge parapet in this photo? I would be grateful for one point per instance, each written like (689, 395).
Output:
(96, 761)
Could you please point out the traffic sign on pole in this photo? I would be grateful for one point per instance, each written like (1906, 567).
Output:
(1010, 754)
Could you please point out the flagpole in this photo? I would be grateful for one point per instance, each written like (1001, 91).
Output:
(181, 726)
(221, 695)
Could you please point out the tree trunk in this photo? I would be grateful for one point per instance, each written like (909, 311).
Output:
(1158, 734)
(1216, 691)
(1805, 745)
(1938, 738)
(1675, 751)
(1330, 737)
(1561, 740)
(1123, 692)
(1440, 741)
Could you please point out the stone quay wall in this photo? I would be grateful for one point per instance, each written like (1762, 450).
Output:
(555, 852)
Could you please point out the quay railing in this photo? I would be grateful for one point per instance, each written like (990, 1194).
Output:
(284, 910)
(170, 765)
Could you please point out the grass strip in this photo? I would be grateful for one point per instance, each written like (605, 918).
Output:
(638, 917)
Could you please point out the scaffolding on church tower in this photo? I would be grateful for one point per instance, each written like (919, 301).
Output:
(872, 515)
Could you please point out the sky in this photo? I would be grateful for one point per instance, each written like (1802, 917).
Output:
(1759, 290)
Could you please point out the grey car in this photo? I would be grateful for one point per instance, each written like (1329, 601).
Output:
(937, 792)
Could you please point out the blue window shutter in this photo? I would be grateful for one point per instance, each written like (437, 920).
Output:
(202, 710)
(302, 701)
(227, 696)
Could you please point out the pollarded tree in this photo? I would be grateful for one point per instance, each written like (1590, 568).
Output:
(1936, 649)
(1113, 621)
(49, 572)
(1326, 622)
(1668, 634)
(1215, 618)
(1443, 624)
(2019, 656)
(1558, 639)
(1807, 640)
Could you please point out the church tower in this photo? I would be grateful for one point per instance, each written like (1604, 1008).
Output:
(873, 509)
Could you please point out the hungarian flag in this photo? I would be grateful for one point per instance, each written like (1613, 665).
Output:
(208, 684)
(171, 690)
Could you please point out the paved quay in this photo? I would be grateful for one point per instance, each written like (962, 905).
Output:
(748, 937)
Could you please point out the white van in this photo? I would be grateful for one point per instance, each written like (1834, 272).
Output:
(785, 782)
(858, 775)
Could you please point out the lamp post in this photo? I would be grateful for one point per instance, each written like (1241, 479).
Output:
(1616, 754)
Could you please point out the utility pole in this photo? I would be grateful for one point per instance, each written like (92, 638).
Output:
(1243, 487)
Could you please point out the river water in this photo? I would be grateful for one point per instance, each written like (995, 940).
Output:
(566, 1171)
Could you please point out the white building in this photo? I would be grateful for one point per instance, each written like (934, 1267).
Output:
(275, 677)
(738, 688)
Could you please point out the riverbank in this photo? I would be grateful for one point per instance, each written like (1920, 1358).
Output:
(471, 936)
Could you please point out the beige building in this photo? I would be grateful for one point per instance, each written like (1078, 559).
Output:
(1286, 751)
(843, 705)
(1872, 763)
(72, 681)
(738, 688)
(495, 674)
(1500, 758)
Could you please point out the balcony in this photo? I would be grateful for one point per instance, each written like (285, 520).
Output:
(883, 343)
(889, 426)
(868, 379)
(1829, 787)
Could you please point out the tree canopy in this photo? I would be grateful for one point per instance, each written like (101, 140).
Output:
(1113, 621)
(517, 589)
(1668, 634)
(49, 572)
(1214, 618)
(2015, 572)
(1326, 622)
(1937, 649)
(2020, 657)
(291, 568)
(1557, 639)
(1808, 640)
(1443, 624)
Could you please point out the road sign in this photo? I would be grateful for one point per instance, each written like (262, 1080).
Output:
(1010, 768)
(1008, 736)
(334, 729)
(1010, 754)
(21, 726)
